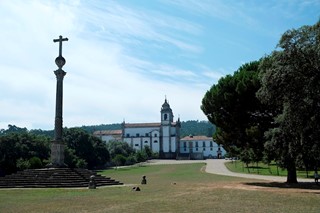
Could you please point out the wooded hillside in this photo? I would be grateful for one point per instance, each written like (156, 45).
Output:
(187, 128)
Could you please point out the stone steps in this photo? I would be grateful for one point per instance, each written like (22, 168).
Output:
(54, 178)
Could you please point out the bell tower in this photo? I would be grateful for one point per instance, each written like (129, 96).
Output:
(165, 131)
(166, 113)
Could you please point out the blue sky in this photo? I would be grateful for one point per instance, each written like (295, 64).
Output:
(124, 57)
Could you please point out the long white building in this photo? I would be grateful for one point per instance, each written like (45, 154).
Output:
(200, 147)
(161, 137)
(164, 138)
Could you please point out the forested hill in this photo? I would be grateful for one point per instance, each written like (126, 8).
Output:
(187, 128)
(197, 128)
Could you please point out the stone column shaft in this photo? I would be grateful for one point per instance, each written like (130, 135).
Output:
(59, 99)
(57, 145)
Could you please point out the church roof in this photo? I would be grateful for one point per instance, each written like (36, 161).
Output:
(141, 125)
(166, 106)
(137, 125)
(196, 138)
(108, 132)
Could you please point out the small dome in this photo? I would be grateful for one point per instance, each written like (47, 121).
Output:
(165, 105)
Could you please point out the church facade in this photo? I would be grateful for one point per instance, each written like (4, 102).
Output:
(164, 138)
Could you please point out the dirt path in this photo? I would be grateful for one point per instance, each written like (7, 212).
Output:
(216, 166)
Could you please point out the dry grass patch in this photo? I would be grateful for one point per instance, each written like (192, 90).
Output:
(170, 188)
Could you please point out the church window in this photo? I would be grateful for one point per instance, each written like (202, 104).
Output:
(185, 149)
(211, 149)
(196, 149)
(147, 134)
(204, 144)
(155, 141)
(184, 145)
(155, 135)
(138, 135)
(145, 141)
(165, 117)
(136, 144)
(204, 149)
(128, 135)
(211, 145)
(197, 144)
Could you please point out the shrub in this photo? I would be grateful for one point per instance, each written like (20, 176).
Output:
(35, 163)
(23, 164)
(131, 160)
(119, 160)
(81, 163)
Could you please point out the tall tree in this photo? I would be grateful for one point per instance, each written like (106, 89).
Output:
(290, 79)
(84, 146)
(240, 117)
(120, 148)
(23, 146)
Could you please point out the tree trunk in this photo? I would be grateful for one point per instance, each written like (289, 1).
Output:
(292, 173)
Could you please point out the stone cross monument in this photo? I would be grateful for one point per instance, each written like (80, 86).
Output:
(57, 145)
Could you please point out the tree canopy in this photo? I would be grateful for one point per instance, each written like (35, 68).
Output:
(290, 79)
(19, 150)
(240, 117)
(277, 97)
(84, 150)
(22, 149)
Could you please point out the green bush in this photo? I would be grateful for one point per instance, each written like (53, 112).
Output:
(81, 163)
(141, 156)
(119, 160)
(35, 163)
(22, 164)
(131, 160)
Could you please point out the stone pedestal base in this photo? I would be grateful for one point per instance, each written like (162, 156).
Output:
(57, 155)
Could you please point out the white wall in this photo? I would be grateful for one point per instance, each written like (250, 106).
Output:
(138, 143)
(207, 150)
(141, 131)
(107, 138)
(165, 138)
(173, 144)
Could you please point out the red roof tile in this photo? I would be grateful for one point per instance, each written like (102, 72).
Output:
(196, 138)
(108, 132)
(137, 125)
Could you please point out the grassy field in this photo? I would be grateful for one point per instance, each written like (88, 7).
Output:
(263, 169)
(170, 188)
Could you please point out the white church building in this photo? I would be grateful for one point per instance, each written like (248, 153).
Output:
(162, 137)
(200, 147)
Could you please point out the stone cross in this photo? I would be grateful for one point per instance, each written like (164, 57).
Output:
(57, 145)
(60, 40)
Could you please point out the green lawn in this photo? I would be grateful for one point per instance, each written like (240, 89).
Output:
(263, 169)
(170, 188)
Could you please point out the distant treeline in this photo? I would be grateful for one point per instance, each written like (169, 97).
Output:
(187, 128)
(193, 127)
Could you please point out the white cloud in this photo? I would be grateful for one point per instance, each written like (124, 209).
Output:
(121, 60)
(104, 83)
(215, 76)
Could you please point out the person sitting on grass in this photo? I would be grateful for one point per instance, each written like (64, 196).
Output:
(316, 177)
